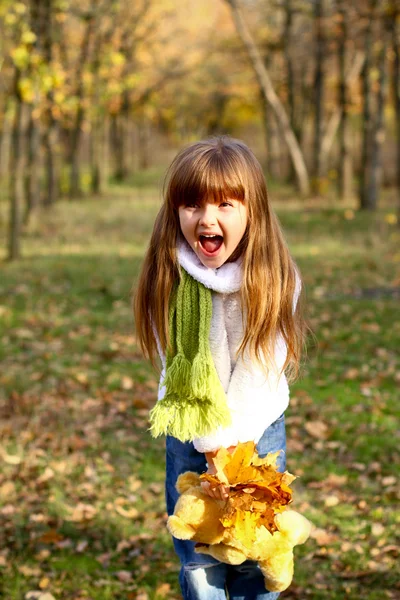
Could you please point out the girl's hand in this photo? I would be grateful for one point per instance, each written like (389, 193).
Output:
(219, 492)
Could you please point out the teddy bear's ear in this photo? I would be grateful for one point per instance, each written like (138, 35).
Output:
(186, 481)
(179, 529)
(292, 524)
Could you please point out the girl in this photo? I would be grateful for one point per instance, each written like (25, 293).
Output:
(217, 298)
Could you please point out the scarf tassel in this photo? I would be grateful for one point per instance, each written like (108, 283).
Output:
(189, 416)
(175, 416)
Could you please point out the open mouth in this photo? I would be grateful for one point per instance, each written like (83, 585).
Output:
(211, 243)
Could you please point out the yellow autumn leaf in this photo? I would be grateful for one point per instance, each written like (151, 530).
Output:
(243, 523)
(391, 218)
(130, 513)
(269, 460)
(28, 37)
(44, 583)
(20, 8)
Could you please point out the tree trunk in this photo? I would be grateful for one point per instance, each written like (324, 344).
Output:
(31, 175)
(95, 157)
(396, 92)
(318, 92)
(335, 119)
(219, 102)
(272, 99)
(105, 153)
(49, 123)
(143, 146)
(32, 183)
(74, 159)
(118, 145)
(365, 170)
(75, 190)
(378, 130)
(48, 141)
(345, 158)
(16, 180)
(5, 137)
(288, 52)
(97, 131)
(274, 161)
(304, 106)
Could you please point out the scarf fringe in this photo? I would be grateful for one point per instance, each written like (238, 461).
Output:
(187, 419)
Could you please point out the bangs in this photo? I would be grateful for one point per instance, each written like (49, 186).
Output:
(213, 176)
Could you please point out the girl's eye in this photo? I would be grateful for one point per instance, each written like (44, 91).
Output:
(225, 204)
(191, 205)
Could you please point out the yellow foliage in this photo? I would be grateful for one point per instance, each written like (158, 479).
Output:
(20, 56)
(47, 82)
(20, 8)
(255, 487)
(117, 59)
(26, 89)
(28, 37)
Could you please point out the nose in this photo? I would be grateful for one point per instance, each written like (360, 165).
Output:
(208, 215)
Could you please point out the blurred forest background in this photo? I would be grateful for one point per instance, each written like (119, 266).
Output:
(93, 91)
(96, 97)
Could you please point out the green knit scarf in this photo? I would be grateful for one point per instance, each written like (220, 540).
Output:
(195, 403)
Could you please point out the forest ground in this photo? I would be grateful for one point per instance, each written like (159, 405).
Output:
(82, 513)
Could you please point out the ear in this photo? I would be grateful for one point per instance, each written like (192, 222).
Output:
(179, 528)
(294, 526)
(186, 481)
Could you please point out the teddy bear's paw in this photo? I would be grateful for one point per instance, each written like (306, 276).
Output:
(278, 572)
(222, 552)
(186, 481)
(179, 529)
(202, 548)
(292, 524)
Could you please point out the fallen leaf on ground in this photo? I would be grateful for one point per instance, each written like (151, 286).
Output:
(317, 429)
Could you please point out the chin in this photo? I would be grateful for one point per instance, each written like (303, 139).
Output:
(212, 262)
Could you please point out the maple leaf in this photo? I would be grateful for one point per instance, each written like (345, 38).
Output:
(257, 491)
(243, 522)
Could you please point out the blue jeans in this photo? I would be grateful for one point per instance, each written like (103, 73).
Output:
(202, 577)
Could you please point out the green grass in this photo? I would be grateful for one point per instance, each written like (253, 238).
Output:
(82, 511)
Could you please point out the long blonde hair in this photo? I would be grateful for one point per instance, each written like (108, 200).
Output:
(222, 167)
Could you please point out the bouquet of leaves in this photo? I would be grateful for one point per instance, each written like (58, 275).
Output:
(257, 491)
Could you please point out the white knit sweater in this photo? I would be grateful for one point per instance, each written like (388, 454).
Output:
(255, 401)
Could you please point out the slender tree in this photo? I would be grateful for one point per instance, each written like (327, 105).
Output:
(336, 116)
(49, 121)
(89, 19)
(345, 158)
(319, 14)
(365, 169)
(394, 21)
(378, 131)
(272, 98)
(16, 180)
(31, 175)
(288, 49)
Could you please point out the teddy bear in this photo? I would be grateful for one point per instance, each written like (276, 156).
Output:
(233, 537)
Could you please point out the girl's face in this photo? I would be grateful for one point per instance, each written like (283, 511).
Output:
(213, 230)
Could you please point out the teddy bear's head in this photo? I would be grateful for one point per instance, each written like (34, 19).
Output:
(196, 516)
